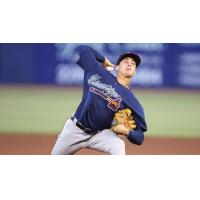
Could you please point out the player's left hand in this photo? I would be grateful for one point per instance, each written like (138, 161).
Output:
(121, 129)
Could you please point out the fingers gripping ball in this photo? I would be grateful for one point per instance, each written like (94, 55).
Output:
(124, 117)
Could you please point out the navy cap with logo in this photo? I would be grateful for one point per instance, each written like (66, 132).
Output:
(135, 57)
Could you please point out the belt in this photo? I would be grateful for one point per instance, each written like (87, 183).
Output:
(79, 125)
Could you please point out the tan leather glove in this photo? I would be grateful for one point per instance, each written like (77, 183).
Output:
(123, 117)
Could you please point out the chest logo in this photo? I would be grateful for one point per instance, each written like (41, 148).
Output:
(95, 81)
(113, 104)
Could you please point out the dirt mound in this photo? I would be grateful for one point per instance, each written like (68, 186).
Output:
(14, 144)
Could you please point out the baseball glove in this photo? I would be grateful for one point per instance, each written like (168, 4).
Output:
(124, 117)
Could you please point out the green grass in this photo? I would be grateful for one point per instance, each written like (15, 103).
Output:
(172, 113)
(25, 110)
(39, 111)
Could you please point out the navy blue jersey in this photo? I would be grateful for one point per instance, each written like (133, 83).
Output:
(103, 96)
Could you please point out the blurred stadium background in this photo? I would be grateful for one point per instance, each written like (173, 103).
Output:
(40, 87)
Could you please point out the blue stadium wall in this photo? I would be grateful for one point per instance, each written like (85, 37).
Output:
(163, 65)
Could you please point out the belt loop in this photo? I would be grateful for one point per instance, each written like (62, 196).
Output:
(74, 119)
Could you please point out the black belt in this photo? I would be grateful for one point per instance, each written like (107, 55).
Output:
(86, 130)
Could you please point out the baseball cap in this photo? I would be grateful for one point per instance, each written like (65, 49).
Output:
(129, 54)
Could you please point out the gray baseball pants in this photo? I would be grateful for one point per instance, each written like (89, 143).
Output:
(73, 139)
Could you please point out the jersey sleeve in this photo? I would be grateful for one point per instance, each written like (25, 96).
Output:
(136, 136)
(89, 58)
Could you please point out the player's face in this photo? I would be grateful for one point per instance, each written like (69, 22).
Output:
(127, 67)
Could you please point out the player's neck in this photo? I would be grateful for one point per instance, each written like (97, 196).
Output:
(126, 82)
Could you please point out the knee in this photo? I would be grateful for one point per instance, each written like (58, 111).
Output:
(56, 151)
(117, 148)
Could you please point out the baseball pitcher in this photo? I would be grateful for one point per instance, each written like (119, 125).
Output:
(108, 109)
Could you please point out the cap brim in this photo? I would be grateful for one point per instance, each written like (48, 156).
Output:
(135, 57)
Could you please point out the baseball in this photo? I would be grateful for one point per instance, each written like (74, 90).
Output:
(109, 68)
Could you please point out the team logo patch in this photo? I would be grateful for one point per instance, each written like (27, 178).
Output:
(113, 104)
(94, 81)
